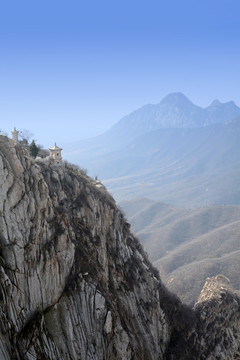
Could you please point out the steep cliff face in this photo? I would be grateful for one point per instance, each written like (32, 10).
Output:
(75, 283)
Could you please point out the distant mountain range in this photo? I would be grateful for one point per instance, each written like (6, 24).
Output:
(188, 245)
(174, 151)
(174, 111)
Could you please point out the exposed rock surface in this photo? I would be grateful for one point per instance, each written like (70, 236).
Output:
(218, 309)
(76, 284)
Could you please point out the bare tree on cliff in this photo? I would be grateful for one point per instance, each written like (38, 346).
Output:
(24, 137)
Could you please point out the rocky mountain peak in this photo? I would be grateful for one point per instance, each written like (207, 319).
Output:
(174, 111)
(218, 308)
(176, 98)
(213, 287)
(216, 103)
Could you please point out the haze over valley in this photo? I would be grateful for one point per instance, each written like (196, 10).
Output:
(187, 245)
(174, 168)
(173, 152)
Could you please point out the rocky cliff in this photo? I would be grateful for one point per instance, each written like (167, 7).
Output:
(76, 284)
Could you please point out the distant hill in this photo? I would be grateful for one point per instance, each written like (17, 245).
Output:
(174, 111)
(188, 245)
(174, 151)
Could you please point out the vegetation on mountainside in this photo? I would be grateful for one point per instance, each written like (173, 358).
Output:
(188, 245)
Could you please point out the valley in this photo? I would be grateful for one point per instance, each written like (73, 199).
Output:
(188, 245)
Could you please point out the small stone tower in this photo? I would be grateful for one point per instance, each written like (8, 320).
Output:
(55, 154)
(15, 135)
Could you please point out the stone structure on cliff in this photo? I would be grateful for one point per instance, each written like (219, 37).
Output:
(15, 133)
(76, 284)
(56, 154)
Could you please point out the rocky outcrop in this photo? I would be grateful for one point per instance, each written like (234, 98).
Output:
(218, 310)
(216, 333)
(75, 283)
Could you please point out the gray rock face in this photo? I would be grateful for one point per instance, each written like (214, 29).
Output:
(75, 283)
(218, 308)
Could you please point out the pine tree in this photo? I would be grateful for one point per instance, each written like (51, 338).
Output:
(33, 149)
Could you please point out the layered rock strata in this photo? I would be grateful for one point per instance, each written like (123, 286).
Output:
(76, 284)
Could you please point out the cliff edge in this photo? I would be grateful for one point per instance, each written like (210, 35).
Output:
(76, 284)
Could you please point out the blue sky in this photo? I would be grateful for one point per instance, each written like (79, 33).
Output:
(71, 69)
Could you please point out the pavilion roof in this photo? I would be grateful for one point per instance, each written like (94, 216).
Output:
(55, 147)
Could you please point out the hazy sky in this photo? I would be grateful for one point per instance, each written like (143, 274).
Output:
(71, 69)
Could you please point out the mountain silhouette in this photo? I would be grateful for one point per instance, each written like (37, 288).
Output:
(173, 151)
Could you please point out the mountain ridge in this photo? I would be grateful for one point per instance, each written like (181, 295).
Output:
(205, 240)
(145, 118)
(174, 111)
(181, 166)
